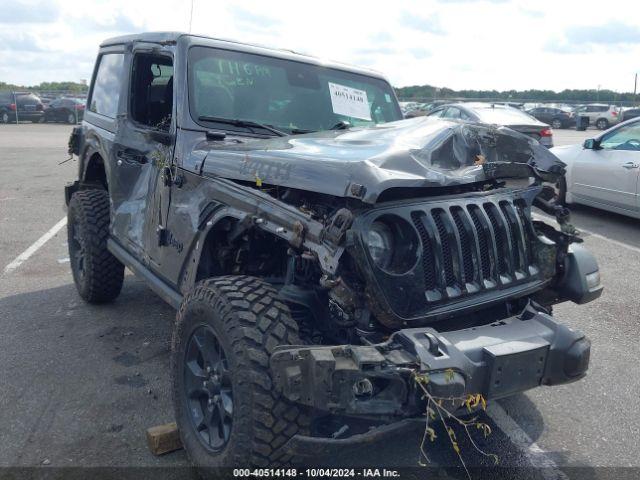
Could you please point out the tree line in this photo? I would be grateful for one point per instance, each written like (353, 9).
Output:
(47, 86)
(429, 92)
(419, 92)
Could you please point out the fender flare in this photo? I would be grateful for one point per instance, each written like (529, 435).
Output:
(91, 147)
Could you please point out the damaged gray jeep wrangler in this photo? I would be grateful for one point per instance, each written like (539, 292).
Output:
(320, 250)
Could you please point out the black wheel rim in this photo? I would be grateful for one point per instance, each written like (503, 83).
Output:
(207, 388)
(77, 251)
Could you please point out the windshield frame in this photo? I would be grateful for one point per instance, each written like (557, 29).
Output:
(252, 132)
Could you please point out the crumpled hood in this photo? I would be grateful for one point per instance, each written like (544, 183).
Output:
(364, 162)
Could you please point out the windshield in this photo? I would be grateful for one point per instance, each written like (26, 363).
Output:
(503, 116)
(287, 95)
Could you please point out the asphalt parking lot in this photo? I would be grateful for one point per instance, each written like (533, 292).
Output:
(80, 384)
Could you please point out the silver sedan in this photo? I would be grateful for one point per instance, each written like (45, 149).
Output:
(603, 172)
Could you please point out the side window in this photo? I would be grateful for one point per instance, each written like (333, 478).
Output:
(451, 112)
(624, 138)
(464, 115)
(152, 91)
(106, 88)
(436, 113)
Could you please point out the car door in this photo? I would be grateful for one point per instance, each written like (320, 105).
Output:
(50, 113)
(550, 115)
(608, 174)
(541, 114)
(143, 151)
(534, 112)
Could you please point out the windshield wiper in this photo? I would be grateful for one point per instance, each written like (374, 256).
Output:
(299, 131)
(341, 125)
(242, 123)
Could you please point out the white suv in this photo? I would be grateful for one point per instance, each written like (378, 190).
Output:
(600, 114)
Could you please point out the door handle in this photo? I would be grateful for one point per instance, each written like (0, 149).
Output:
(630, 165)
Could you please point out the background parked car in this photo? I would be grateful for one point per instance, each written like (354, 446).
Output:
(556, 117)
(630, 113)
(27, 106)
(603, 172)
(70, 110)
(498, 115)
(601, 115)
(422, 109)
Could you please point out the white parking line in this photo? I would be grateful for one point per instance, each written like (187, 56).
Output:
(20, 259)
(535, 456)
(593, 234)
(610, 240)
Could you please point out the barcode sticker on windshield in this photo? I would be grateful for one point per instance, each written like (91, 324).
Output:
(350, 102)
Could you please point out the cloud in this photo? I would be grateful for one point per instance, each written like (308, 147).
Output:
(119, 23)
(582, 39)
(532, 13)
(382, 50)
(472, 1)
(430, 24)
(612, 33)
(19, 42)
(35, 11)
(29, 68)
(381, 37)
(253, 21)
(419, 53)
(477, 34)
(563, 47)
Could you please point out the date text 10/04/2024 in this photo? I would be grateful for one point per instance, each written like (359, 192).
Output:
(315, 473)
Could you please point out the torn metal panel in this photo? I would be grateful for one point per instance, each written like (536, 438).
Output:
(259, 210)
(363, 163)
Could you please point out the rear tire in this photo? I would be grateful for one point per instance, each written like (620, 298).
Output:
(4, 117)
(602, 124)
(98, 275)
(71, 118)
(244, 318)
(556, 123)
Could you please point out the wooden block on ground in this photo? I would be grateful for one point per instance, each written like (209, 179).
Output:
(164, 438)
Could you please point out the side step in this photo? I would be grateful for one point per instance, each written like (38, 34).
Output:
(165, 291)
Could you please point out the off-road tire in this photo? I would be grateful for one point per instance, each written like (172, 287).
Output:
(249, 322)
(602, 124)
(100, 279)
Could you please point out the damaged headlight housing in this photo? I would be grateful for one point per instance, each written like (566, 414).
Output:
(380, 244)
(392, 243)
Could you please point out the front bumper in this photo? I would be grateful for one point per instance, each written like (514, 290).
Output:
(495, 360)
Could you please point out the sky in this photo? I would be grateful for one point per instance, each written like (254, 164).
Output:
(460, 44)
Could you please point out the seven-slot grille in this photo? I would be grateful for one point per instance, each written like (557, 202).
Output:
(471, 247)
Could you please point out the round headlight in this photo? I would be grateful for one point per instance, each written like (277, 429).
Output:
(380, 244)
